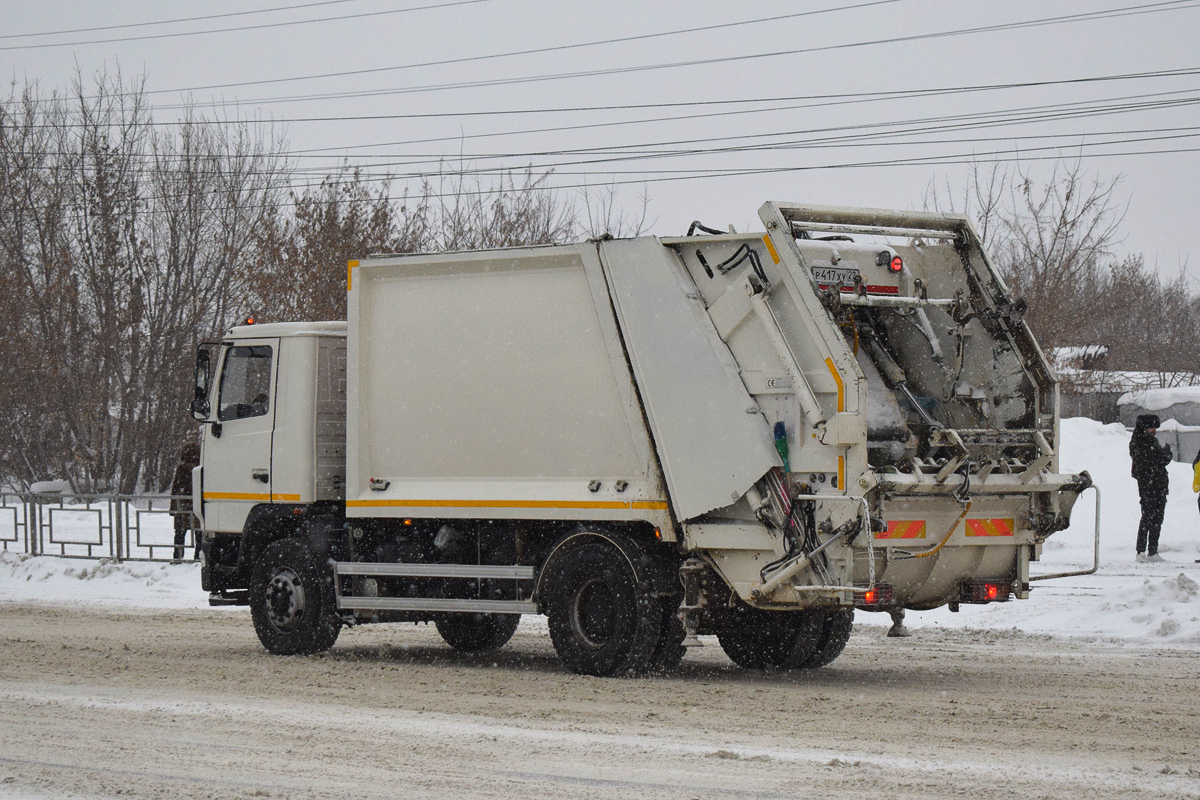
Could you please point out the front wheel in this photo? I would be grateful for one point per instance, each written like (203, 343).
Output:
(477, 633)
(292, 600)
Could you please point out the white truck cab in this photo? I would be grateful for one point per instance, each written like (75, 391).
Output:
(275, 427)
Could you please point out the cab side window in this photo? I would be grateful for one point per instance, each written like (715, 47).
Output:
(245, 383)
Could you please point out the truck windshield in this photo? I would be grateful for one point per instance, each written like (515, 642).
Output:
(245, 383)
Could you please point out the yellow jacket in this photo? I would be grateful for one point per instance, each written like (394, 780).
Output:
(1196, 476)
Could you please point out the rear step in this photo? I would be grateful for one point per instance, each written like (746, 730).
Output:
(478, 571)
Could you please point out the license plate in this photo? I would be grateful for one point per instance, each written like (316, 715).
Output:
(828, 276)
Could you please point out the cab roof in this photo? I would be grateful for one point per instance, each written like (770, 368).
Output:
(285, 329)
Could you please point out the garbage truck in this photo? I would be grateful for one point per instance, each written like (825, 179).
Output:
(643, 439)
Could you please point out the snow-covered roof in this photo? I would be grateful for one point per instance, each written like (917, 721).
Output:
(1159, 399)
(1065, 354)
(1104, 380)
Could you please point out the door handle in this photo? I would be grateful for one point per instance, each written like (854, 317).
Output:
(260, 475)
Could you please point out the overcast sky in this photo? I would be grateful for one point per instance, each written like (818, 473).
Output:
(841, 92)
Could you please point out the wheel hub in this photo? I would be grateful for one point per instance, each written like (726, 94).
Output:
(594, 613)
(285, 600)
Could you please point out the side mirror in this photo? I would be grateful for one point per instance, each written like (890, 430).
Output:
(200, 405)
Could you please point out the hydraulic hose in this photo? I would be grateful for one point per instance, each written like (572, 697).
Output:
(697, 225)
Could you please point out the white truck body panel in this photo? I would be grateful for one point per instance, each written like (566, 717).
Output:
(493, 384)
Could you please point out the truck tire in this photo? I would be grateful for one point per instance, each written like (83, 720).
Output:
(756, 639)
(292, 600)
(477, 633)
(835, 633)
(605, 618)
(670, 650)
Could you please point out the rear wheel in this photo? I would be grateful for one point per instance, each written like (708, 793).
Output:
(670, 650)
(604, 617)
(477, 633)
(292, 600)
(835, 633)
(755, 639)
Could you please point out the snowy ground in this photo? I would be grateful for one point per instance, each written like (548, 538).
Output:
(1126, 602)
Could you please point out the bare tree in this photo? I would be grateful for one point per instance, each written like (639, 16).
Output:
(121, 245)
(516, 209)
(1053, 242)
(1056, 243)
(305, 246)
(603, 214)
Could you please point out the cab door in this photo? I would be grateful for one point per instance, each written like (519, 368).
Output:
(237, 443)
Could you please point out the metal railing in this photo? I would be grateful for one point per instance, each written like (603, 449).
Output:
(117, 527)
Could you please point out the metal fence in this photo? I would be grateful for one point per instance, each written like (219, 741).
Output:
(120, 527)
(1100, 406)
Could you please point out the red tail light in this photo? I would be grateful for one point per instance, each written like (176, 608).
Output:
(880, 594)
(896, 264)
(986, 592)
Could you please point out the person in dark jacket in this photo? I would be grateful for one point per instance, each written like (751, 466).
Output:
(181, 496)
(1150, 461)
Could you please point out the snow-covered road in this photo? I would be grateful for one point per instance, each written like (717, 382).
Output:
(186, 704)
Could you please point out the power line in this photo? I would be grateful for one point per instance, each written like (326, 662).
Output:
(846, 134)
(263, 26)
(1084, 140)
(819, 100)
(174, 21)
(315, 152)
(839, 136)
(953, 159)
(1146, 8)
(997, 156)
(533, 51)
(1007, 117)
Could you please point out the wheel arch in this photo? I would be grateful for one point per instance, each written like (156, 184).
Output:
(632, 544)
(317, 526)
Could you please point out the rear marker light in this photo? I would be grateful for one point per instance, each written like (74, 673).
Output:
(896, 264)
(986, 592)
(878, 595)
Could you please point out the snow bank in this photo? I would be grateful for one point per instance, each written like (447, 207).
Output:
(50, 579)
(1126, 602)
